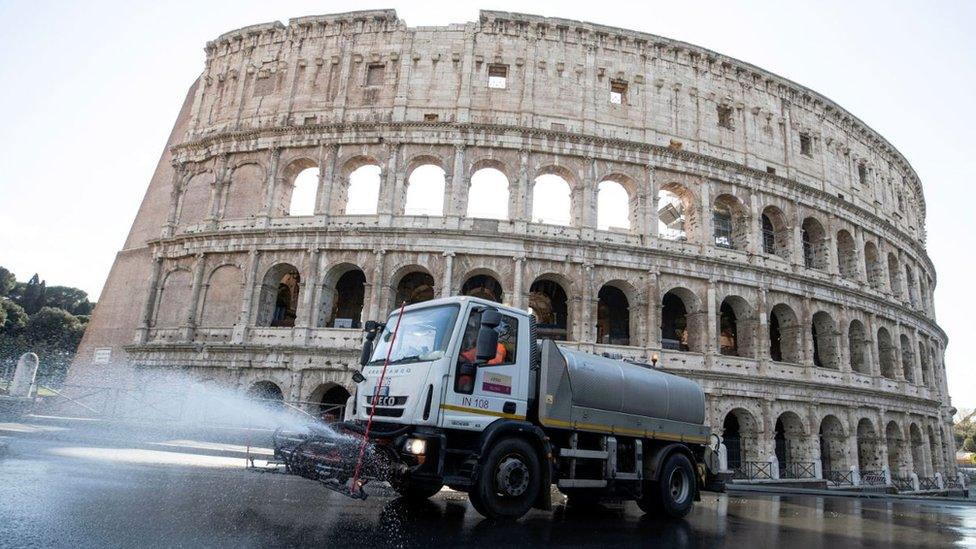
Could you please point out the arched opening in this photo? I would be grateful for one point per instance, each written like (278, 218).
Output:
(279, 297)
(784, 335)
(489, 195)
(894, 275)
(303, 192)
(855, 343)
(415, 287)
(328, 402)
(814, 244)
(728, 223)
(846, 255)
(343, 298)
(907, 359)
(896, 446)
(886, 353)
(918, 450)
(735, 327)
(222, 297)
(612, 317)
(548, 302)
(873, 265)
(790, 449)
(678, 331)
(728, 332)
(741, 439)
(613, 206)
(824, 334)
(195, 199)
(425, 191)
(551, 200)
(677, 216)
(833, 444)
(923, 358)
(362, 197)
(266, 391)
(775, 232)
(173, 299)
(244, 195)
(868, 450)
(483, 286)
(911, 290)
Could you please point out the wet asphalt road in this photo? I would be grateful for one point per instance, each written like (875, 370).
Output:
(60, 487)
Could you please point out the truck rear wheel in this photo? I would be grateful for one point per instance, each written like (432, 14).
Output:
(673, 493)
(508, 481)
(413, 490)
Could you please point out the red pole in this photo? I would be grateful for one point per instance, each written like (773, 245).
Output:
(376, 394)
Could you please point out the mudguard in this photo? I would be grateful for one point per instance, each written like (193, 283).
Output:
(523, 429)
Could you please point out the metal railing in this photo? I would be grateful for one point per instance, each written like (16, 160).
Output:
(797, 470)
(754, 470)
(840, 477)
(904, 484)
(873, 478)
(927, 483)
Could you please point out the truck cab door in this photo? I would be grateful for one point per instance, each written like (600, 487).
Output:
(480, 394)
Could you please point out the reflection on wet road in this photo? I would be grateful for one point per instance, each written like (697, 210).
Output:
(58, 492)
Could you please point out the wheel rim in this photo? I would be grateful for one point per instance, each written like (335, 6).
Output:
(678, 486)
(512, 476)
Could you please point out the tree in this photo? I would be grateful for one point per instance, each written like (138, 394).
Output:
(73, 300)
(54, 326)
(30, 296)
(7, 281)
(15, 318)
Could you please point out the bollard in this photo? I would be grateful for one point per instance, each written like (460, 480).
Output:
(939, 481)
(855, 476)
(887, 474)
(915, 484)
(24, 376)
(774, 467)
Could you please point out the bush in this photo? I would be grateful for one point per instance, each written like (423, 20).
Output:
(969, 445)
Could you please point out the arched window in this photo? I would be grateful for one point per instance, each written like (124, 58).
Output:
(740, 435)
(415, 287)
(923, 358)
(328, 401)
(612, 317)
(195, 200)
(363, 195)
(907, 359)
(728, 330)
(244, 195)
(549, 304)
(855, 343)
(846, 255)
(279, 297)
(775, 232)
(303, 192)
(677, 217)
(679, 329)
(823, 332)
(894, 275)
(174, 299)
(873, 265)
(483, 286)
(833, 448)
(790, 444)
(266, 391)
(886, 353)
(222, 297)
(784, 333)
(489, 194)
(727, 223)
(425, 191)
(868, 448)
(343, 297)
(814, 244)
(551, 200)
(613, 206)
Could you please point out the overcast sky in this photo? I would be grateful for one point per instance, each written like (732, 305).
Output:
(90, 90)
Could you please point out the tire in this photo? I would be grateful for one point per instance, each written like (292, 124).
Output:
(508, 481)
(673, 494)
(416, 491)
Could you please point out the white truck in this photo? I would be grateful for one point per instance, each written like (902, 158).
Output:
(472, 400)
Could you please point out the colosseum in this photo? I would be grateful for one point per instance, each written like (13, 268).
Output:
(762, 240)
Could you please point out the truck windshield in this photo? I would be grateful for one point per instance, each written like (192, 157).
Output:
(423, 335)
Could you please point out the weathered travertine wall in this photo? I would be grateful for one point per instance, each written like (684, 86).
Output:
(804, 287)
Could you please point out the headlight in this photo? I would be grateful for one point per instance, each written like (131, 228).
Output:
(415, 446)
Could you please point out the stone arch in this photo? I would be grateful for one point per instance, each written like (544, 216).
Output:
(833, 447)
(549, 302)
(894, 275)
(897, 457)
(483, 283)
(917, 445)
(244, 197)
(736, 327)
(907, 358)
(790, 444)
(740, 434)
(613, 198)
(413, 284)
(784, 335)
(174, 299)
(856, 343)
(678, 215)
(489, 194)
(814, 244)
(681, 325)
(868, 448)
(923, 358)
(846, 255)
(886, 353)
(824, 337)
(553, 197)
(266, 391)
(328, 401)
(299, 191)
(730, 225)
(911, 291)
(614, 312)
(222, 296)
(426, 184)
(278, 303)
(872, 264)
(775, 232)
(195, 198)
(343, 297)
(357, 187)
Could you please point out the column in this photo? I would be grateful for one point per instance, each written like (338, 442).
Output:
(707, 236)
(189, 329)
(762, 331)
(250, 287)
(862, 267)
(447, 281)
(269, 189)
(142, 334)
(518, 292)
(587, 334)
(710, 329)
(652, 203)
(328, 156)
(388, 183)
(587, 203)
(806, 336)
(653, 337)
(872, 353)
(523, 212)
(376, 285)
(310, 290)
(176, 192)
(843, 341)
(459, 186)
(218, 188)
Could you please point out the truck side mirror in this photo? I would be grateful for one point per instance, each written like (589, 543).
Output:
(487, 336)
(367, 351)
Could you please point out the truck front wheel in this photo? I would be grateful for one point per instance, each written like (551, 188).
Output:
(674, 492)
(508, 481)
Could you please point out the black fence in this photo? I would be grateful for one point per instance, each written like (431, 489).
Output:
(873, 478)
(798, 470)
(904, 484)
(928, 483)
(753, 470)
(845, 478)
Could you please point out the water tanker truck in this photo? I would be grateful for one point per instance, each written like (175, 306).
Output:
(459, 392)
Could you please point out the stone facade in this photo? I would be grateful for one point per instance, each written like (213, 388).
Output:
(791, 281)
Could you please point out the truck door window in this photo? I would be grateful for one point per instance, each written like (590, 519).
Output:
(507, 341)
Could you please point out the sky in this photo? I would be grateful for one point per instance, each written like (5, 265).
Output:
(89, 92)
